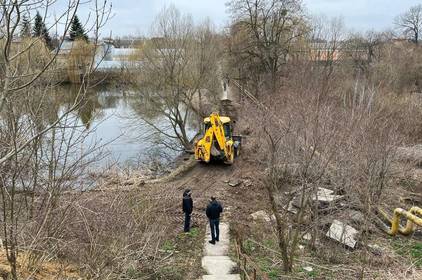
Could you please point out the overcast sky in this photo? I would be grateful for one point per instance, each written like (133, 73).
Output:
(134, 17)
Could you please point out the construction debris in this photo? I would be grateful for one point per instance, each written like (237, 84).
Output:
(261, 215)
(324, 195)
(356, 217)
(292, 209)
(343, 233)
(307, 237)
(308, 268)
(235, 183)
(327, 201)
(248, 183)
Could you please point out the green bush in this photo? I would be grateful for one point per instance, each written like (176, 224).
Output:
(410, 249)
(168, 246)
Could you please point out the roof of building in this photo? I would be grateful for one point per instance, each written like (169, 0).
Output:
(122, 51)
(65, 47)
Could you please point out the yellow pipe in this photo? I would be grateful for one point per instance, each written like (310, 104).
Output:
(411, 217)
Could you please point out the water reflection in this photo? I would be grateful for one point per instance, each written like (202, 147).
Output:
(114, 118)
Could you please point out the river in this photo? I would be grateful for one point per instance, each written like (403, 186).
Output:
(113, 119)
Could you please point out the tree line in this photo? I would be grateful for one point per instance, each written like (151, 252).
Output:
(40, 30)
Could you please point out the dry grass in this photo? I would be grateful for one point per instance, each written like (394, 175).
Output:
(47, 270)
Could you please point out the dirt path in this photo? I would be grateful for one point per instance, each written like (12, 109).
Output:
(205, 180)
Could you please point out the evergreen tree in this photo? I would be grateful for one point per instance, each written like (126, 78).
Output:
(25, 27)
(38, 25)
(77, 30)
(40, 30)
(46, 37)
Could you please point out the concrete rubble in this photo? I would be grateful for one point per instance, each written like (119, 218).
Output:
(334, 212)
(355, 216)
(323, 196)
(343, 233)
(248, 183)
(261, 215)
(292, 209)
(326, 196)
(307, 237)
(308, 268)
(235, 183)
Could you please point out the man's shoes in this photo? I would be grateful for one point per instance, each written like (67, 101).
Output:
(211, 242)
(217, 239)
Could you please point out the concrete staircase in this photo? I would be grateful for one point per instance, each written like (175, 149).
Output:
(216, 261)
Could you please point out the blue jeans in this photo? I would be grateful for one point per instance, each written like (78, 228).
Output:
(187, 222)
(215, 231)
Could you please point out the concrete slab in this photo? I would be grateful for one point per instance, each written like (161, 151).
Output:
(222, 277)
(261, 215)
(343, 233)
(292, 209)
(326, 195)
(218, 265)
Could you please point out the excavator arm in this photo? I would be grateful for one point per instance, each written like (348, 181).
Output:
(217, 127)
(203, 147)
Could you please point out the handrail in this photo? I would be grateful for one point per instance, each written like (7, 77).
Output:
(412, 220)
(245, 261)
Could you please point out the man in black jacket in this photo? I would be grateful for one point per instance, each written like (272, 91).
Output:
(187, 208)
(213, 212)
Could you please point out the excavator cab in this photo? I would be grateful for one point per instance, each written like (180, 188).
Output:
(218, 143)
(228, 130)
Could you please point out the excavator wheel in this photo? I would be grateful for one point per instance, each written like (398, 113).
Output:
(237, 151)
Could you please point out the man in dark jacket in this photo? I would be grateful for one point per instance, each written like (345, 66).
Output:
(213, 212)
(187, 208)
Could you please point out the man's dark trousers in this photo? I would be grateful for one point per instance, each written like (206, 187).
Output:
(187, 222)
(215, 230)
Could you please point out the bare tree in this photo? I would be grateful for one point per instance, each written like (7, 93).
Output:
(272, 27)
(36, 162)
(410, 23)
(179, 62)
(206, 52)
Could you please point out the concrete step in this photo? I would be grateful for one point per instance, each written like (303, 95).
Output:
(222, 247)
(219, 249)
(218, 265)
(222, 277)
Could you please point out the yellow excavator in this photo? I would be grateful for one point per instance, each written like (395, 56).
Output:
(218, 143)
